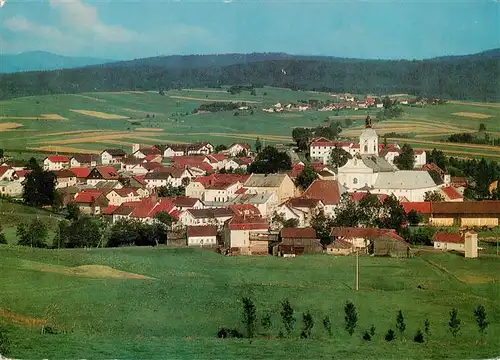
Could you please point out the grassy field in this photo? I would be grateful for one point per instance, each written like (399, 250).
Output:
(192, 293)
(93, 121)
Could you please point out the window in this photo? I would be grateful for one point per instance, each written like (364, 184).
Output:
(355, 180)
(366, 148)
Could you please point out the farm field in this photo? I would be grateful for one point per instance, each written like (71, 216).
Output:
(87, 123)
(189, 293)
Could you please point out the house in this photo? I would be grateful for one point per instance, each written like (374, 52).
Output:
(81, 174)
(265, 202)
(91, 201)
(117, 197)
(199, 148)
(238, 163)
(102, 173)
(299, 240)
(301, 209)
(223, 188)
(196, 188)
(339, 247)
(280, 184)
(448, 241)
(11, 188)
(238, 148)
(143, 210)
(83, 161)
(390, 244)
(7, 173)
(359, 237)
(329, 192)
(168, 176)
(65, 178)
(112, 156)
(465, 213)
(143, 168)
(451, 194)
(321, 148)
(201, 235)
(174, 150)
(216, 161)
(247, 235)
(55, 162)
(142, 153)
(182, 203)
(423, 208)
(434, 167)
(20, 175)
(216, 216)
(420, 158)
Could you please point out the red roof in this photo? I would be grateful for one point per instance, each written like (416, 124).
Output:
(58, 159)
(243, 145)
(325, 190)
(304, 233)
(423, 207)
(359, 195)
(303, 202)
(357, 232)
(175, 214)
(204, 180)
(140, 179)
(22, 173)
(110, 209)
(194, 231)
(296, 170)
(240, 191)
(248, 223)
(451, 193)
(184, 201)
(82, 172)
(4, 169)
(447, 237)
(88, 195)
(419, 151)
(108, 172)
(245, 210)
(431, 167)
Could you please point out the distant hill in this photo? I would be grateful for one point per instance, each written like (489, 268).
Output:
(41, 60)
(472, 77)
(488, 54)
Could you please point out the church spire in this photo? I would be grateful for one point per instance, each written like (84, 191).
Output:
(368, 122)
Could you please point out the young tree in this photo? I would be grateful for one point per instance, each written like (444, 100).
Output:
(454, 322)
(4, 342)
(308, 321)
(482, 127)
(400, 323)
(434, 196)
(249, 316)
(258, 145)
(390, 335)
(351, 317)
(480, 315)
(372, 330)
(367, 336)
(406, 159)
(287, 316)
(73, 211)
(3, 240)
(427, 327)
(419, 337)
(327, 324)
(220, 148)
(338, 157)
(306, 177)
(266, 321)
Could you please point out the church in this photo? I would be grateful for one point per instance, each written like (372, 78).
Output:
(367, 171)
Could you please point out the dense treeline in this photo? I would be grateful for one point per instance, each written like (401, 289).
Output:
(469, 138)
(457, 79)
(218, 106)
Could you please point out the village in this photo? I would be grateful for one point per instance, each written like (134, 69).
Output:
(217, 204)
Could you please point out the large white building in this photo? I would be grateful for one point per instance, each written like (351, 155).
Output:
(367, 171)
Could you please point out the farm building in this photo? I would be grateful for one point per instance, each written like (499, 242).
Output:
(201, 235)
(359, 237)
(448, 241)
(112, 156)
(298, 241)
(465, 214)
(390, 244)
(247, 235)
(83, 161)
(102, 173)
(339, 247)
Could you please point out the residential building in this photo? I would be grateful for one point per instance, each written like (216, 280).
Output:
(238, 148)
(142, 153)
(83, 161)
(298, 241)
(390, 244)
(279, 184)
(448, 241)
(466, 213)
(102, 173)
(329, 192)
(91, 202)
(11, 188)
(451, 194)
(112, 156)
(201, 235)
(55, 162)
(7, 173)
(65, 178)
(247, 235)
(215, 216)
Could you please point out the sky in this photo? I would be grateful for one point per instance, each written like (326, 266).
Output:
(128, 29)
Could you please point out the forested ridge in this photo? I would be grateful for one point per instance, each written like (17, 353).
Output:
(464, 78)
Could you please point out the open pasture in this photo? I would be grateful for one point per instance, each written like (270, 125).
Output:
(138, 117)
(191, 293)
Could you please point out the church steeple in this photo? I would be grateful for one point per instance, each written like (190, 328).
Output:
(368, 122)
(368, 139)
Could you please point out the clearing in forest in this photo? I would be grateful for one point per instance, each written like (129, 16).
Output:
(100, 115)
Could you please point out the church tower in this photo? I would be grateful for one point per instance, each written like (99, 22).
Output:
(368, 140)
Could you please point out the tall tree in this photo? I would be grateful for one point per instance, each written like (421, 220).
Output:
(306, 177)
(258, 145)
(39, 188)
(302, 137)
(437, 157)
(308, 322)
(393, 215)
(249, 316)
(338, 157)
(81, 232)
(347, 213)
(3, 240)
(350, 318)
(406, 159)
(34, 234)
(434, 196)
(287, 316)
(454, 323)
(270, 160)
(400, 323)
(322, 225)
(480, 315)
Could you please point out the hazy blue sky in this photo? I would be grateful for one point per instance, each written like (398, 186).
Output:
(123, 29)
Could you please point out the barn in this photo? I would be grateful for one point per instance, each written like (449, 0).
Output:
(390, 244)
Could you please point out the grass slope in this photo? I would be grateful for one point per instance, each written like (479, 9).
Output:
(195, 292)
(426, 127)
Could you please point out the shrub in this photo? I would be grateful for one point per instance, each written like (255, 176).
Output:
(308, 325)
(367, 336)
(419, 337)
(4, 342)
(227, 333)
(287, 316)
(390, 335)
(327, 325)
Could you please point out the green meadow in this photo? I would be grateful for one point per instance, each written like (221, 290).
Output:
(150, 118)
(191, 293)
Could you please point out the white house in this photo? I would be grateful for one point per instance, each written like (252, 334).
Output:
(448, 241)
(65, 178)
(11, 188)
(201, 235)
(83, 161)
(174, 150)
(239, 232)
(55, 162)
(117, 197)
(420, 158)
(216, 217)
(6, 173)
(266, 203)
(112, 156)
(237, 148)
